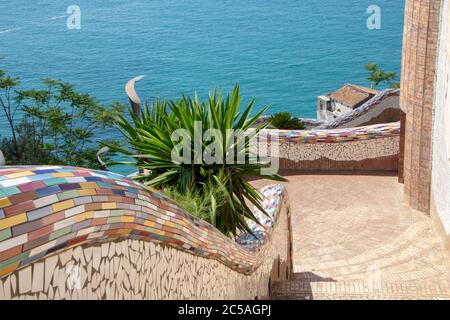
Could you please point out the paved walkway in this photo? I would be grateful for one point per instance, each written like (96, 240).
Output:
(354, 238)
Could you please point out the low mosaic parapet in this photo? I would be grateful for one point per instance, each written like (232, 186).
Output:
(48, 209)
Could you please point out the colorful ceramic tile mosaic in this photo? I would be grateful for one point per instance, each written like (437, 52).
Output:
(338, 135)
(272, 197)
(50, 208)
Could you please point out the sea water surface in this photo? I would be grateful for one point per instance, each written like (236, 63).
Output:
(283, 52)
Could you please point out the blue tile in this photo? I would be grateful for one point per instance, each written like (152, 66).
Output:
(120, 192)
(93, 179)
(39, 177)
(70, 186)
(39, 213)
(47, 191)
(31, 259)
(43, 171)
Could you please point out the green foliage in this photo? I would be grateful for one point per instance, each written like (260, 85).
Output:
(57, 123)
(378, 76)
(204, 205)
(151, 144)
(285, 121)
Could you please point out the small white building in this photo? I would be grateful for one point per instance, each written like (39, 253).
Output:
(344, 100)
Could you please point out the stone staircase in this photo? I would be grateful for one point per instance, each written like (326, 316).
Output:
(412, 266)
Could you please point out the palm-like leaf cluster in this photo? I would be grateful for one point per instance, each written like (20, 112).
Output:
(151, 143)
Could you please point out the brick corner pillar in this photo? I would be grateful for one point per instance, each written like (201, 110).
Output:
(420, 42)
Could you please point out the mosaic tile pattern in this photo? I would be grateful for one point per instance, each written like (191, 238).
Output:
(349, 151)
(338, 135)
(272, 197)
(137, 269)
(345, 146)
(48, 209)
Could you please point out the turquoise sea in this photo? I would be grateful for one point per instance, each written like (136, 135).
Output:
(283, 52)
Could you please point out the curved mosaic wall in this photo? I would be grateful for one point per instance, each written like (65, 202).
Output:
(368, 148)
(76, 233)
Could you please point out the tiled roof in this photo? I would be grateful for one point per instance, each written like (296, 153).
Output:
(352, 95)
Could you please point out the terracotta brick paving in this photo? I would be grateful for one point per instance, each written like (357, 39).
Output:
(354, 238)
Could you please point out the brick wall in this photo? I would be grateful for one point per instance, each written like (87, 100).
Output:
(416, 100)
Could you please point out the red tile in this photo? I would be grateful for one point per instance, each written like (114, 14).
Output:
(40, 232)
(116, 199)
(5, 255)
(23, 197)
(82, 174)
(77, 240)
(104, 191)
(19, 208)
(32, 186)
(99, 221)
(129, 213)
(128, 200)
(54, 217)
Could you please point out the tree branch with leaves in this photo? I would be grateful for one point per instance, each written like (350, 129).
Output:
(378, 76)
(58, 124)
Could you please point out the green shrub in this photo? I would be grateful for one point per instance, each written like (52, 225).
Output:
(57, 124)
(285, 121)
(151, 144)
(204, 205)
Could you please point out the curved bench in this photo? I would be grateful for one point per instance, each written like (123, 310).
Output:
(70, 232)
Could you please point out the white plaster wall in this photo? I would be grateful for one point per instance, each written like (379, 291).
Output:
(342, 108)
(441, 124)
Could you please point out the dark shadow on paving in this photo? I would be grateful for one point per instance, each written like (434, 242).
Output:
(299, 286)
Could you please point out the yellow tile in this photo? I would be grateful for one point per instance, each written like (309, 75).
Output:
(9, 269)
(84, 216)
(79, 218)
(89, 215)
(88, 185)
(127, 219)
(87, 192)
(19, 174)
(4, 202)
(123, 231)
(160, 232)
(12, 221)
(62, 205)
(149, 223)
(62, 174)
(109, 205)
(170, 224)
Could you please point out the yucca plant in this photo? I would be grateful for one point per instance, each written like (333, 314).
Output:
(151, 143)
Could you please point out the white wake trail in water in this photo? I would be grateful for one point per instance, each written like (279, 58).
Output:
(56, 18)
(35, 23)
(10, 30)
